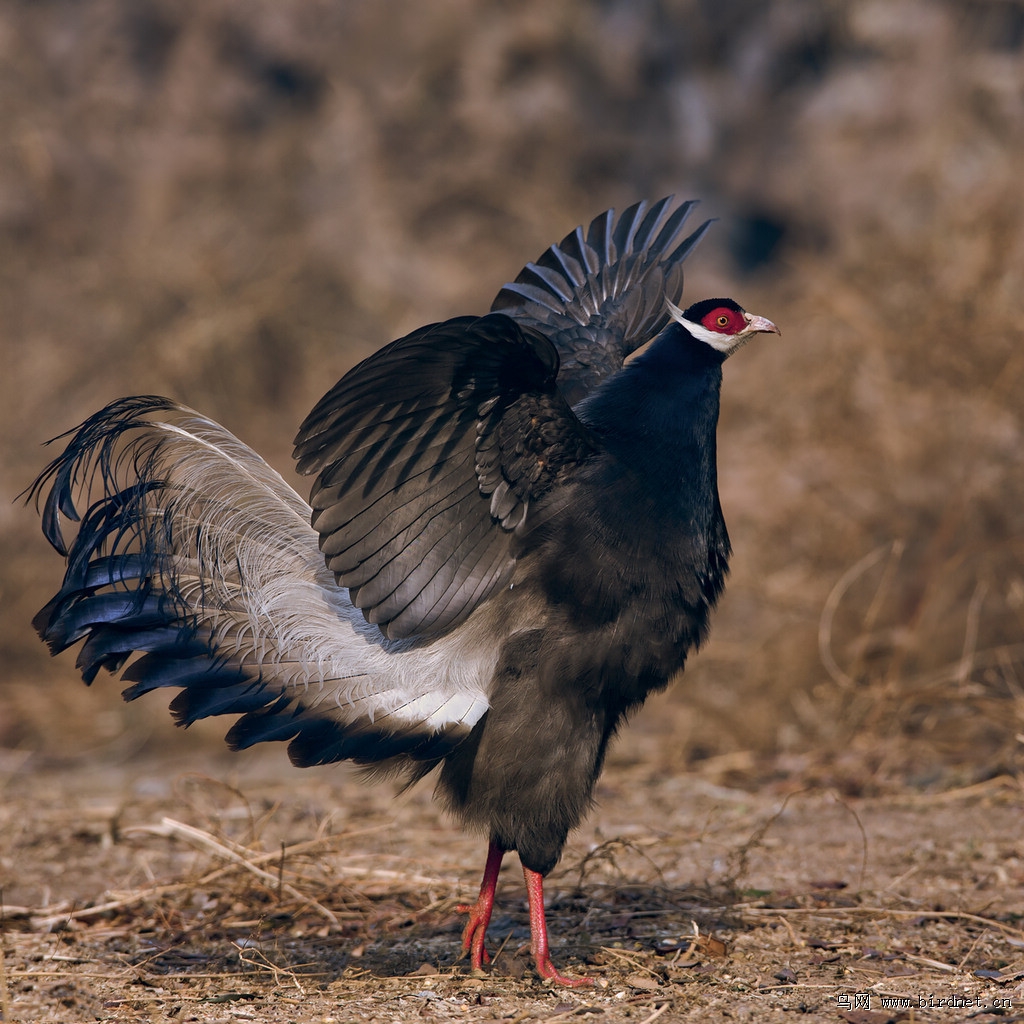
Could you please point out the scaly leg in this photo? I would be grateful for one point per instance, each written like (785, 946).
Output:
(480, 912)
(539, 932)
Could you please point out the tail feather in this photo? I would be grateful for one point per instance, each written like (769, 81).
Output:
(76, 617)
(194, 558)
(110, 647)
(232, 695)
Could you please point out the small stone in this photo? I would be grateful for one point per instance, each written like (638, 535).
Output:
(642, 982)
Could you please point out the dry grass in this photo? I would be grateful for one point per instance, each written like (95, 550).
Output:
(902, 898)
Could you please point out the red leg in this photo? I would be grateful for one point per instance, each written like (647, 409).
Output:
(539, 932)
(480, 912)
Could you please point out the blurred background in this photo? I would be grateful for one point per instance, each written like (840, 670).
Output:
(232, 202)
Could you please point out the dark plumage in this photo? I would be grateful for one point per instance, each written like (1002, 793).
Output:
(521, 539)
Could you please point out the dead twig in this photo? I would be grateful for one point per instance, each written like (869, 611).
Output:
(937, 915)
(257, 959)
(831, 606)
(235, 853)
(657, 1013)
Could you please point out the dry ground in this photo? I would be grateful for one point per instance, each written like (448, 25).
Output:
(192, 886)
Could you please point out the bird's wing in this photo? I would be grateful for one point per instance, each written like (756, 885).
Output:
(428, 455)
(600, 295)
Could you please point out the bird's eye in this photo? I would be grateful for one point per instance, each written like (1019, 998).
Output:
(723, 321)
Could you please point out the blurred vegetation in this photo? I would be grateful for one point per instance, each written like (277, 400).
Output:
(232, 202)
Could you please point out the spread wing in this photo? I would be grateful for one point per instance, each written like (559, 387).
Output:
(601, 295)
(428, 456)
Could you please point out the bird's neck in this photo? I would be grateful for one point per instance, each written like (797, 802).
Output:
(662, 411)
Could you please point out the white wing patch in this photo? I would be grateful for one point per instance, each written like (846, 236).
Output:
(246, 562)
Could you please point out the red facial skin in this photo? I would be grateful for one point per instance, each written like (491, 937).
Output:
(724, 321)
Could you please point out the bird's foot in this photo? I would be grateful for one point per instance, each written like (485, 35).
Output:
(475, 932)
(547, 970)
(539, 933)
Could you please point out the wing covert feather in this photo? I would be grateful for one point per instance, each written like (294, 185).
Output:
(427, 457)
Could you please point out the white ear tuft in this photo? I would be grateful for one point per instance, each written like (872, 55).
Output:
(674, 311)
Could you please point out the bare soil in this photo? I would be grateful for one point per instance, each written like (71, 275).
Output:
(195, 886)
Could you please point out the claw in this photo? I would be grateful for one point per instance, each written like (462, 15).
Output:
(546, 969)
